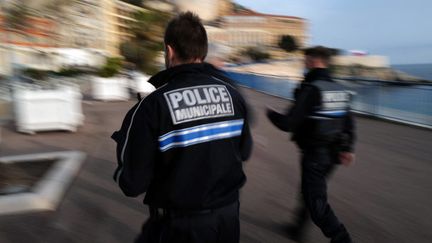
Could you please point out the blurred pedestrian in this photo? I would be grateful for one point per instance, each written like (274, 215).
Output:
(323, 128)
(184, 145)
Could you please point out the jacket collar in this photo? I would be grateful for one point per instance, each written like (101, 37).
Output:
(165, 76)
(317, 74)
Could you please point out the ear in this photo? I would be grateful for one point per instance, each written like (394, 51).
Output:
(170, 52)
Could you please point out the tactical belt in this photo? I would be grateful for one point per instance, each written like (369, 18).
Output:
(175, 213)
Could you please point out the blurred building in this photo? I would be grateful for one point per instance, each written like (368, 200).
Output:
(238, 38)
(206, 9)
(99, 24)
(164, 6)
(82, 25)
(243, 28)
(275, 25)
(119, 19)
(225, 7)
(91, 24)
(38, 32)
(24, 45)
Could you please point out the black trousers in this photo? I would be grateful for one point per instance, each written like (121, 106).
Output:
(216, 226)
(316, 167)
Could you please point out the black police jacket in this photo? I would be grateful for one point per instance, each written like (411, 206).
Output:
(184, 143)
(320, 115)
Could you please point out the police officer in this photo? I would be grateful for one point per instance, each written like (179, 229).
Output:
(323, 129)
(184, 145)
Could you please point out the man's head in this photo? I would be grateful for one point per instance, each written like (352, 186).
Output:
(185, 40)
(317, 57)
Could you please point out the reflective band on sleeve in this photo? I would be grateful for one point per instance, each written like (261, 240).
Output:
(336, 113)
(200, 134)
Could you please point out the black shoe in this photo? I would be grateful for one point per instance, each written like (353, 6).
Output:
(295, 233)
(343, 237)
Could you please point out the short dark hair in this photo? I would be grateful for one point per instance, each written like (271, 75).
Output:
(319, 52)
(186, 34)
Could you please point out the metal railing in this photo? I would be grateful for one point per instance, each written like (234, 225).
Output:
(402, 102)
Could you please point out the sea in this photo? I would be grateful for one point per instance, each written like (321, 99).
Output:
(419, 70)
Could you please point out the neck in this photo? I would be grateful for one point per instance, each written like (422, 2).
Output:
(177, 62)
(320, 65)
(315, 68)
(317, 73)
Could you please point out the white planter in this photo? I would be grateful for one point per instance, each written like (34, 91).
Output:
(48, 110)
(115, 88)
(139, 83)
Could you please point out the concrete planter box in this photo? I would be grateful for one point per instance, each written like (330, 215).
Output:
(47, 109)
(5, 105)
(106, 89)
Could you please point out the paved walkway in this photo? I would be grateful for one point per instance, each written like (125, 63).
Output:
(385, 197)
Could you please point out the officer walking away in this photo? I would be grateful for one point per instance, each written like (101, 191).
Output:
(323, 128)
(184, 145)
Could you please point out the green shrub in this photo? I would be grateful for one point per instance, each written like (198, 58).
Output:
(142, 54)
(111, 67)
(144, 48)
(35, 73)
(288, 43)
(256, 54)
(69, 72)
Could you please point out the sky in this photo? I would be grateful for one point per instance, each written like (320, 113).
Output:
(399, 29)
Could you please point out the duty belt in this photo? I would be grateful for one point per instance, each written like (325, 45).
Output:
(174, 213)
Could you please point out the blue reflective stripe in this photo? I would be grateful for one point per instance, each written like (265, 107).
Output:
(200, 134)
(338, 113)
(200, 128)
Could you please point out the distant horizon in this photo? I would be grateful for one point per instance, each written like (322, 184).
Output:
(403, 64)
(396, 29)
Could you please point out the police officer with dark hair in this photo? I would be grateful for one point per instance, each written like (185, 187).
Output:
(183, 145)
(323, 128)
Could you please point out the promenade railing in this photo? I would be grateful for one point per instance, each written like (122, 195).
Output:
(398, 101)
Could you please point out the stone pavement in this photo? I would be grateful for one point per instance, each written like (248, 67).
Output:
(385, 197)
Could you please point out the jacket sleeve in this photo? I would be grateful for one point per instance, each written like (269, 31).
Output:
(297, 114)
(136, 151)
(246, 142)
(348, 135)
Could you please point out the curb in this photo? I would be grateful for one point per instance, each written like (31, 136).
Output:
(48, 192)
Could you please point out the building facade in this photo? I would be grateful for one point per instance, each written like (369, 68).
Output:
(120, 18)
(97, 24)
(238, 38)
(225, 7)
(37, 32)
(275, 25)
(82, 25)
(26, 44)
(207, 10)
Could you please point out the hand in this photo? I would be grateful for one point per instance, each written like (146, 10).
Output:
(346, 158)
(269, 111)
(139, 97)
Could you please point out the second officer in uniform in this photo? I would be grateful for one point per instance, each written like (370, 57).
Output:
(323, 129)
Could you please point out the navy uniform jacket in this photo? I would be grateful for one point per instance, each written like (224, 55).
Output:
(320, 115)
(184, 143)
